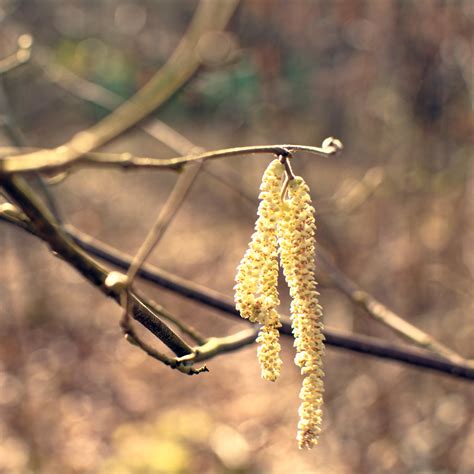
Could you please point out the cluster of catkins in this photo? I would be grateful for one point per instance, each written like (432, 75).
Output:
(285, 227)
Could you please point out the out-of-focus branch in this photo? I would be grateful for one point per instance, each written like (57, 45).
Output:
(16, 137)
(210, 15)
(99, 95)
(19, 57)
(168, 211)
(380, 312)
(375, 347)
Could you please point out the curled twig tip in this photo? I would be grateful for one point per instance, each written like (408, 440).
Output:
(332, 145)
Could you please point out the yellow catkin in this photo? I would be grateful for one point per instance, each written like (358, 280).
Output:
(256, 293)
(296, 238)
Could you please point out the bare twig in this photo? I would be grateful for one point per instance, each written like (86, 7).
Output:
(44, 224)
(380, 312)
(209, 15)
(221, 345)
(337, 278)
(54, 163)
(353, 342)
(19, 57)
(169, 210)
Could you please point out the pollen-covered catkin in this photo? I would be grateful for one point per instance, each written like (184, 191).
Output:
(256, 293)
(269, 348)
(296, 238)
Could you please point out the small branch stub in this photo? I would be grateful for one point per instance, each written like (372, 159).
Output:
(116, 281)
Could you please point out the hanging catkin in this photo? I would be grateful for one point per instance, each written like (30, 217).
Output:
(256, 293)
(296, 238)
(285, 226)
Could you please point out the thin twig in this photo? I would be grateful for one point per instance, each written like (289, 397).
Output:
(19, 57)
(209, 15)
(380, 312)
(221, 345)
(372, 346)
(46, 227)
(56, 163)
(373, 307)
(168, 211)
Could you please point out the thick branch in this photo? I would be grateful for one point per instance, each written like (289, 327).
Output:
(211, 298)
(45, 226)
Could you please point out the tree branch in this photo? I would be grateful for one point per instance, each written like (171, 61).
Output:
(45, 226)
(17, 164)
(380, 312)
(180, 144)
(19, 57)
(353, 342)
(210, 15)
(363, 301)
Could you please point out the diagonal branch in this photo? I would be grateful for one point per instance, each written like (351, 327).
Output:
(46, 227)
(210, 15)
(19, 57)
(338, 279)
(180, 144)
(380, 312)
(361, 344)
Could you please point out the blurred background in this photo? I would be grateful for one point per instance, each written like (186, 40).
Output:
(394, 81)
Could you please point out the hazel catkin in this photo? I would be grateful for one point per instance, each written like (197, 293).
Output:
(296, 238)
(256, 293)
(285, 227)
